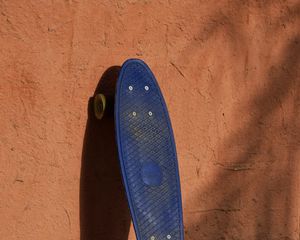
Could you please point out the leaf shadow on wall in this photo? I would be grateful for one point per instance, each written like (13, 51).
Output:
(255, 188)
(103, 207)
(271, 182)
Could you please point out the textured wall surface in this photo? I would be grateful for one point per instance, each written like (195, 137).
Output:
(229, 71)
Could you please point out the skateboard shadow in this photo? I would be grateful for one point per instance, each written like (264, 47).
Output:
(104, 212)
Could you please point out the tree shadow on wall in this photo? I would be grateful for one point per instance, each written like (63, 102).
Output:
(258, 165)
(264, 169)
(103, 207)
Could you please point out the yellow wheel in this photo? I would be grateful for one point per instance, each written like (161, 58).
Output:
(99, 105)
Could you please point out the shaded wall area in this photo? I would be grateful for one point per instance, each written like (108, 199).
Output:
(229, 71)
(103, 207)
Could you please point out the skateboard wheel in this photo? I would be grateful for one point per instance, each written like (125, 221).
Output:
(99, 105)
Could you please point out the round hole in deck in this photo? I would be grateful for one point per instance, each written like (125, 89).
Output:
(151, 174)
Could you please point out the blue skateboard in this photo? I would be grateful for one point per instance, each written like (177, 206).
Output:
(147, 153)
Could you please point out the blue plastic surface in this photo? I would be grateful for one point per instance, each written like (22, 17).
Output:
(147, 154)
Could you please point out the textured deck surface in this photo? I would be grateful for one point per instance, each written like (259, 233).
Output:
(147, 155)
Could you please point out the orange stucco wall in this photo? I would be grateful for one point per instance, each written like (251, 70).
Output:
(229, 71)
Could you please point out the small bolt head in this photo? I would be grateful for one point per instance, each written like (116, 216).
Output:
(134, 113)
(168, 236)
(130, 88)
(146, 88)
(152, 238)
(150, 113)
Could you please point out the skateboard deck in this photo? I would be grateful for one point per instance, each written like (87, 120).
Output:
(147, 154)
